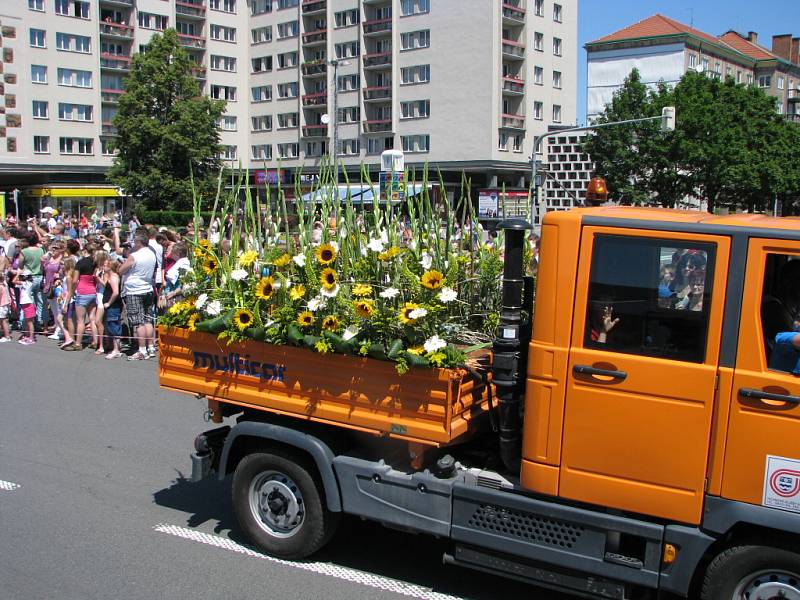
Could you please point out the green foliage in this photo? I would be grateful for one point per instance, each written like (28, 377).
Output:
(730, 148)
(167, 132)
(170, 218)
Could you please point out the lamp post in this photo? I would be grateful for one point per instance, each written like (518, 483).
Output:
(336, 63)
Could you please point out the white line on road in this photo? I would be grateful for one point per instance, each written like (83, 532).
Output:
(7, 486)
(321, 568)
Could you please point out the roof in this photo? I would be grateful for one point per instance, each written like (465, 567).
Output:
(655, 26)
(747, 47)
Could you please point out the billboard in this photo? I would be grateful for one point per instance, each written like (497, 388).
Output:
(497, 204)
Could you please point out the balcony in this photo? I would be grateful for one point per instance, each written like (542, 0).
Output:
(115, 62)
(315, 131)
(513, 15)
(116, 30)
(315, 99)
(315, 38)
(513, 86)
(378, 27)
(314, 68)
(378, 126)
(119, 3)
(378, 60)
(108, 128)
(508, 121)
(199, 71)
(513, 50)
(110, 96)
(192, 10)
(794, 95)
(312, 7)
(192, 41)
(378, 93)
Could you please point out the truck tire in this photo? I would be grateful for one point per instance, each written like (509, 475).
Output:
(753, 573)
(278, 502)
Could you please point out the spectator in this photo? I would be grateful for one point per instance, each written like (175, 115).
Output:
(5, 301)
(112, 306)
(139, 270)
(85, 297)
(32, 262)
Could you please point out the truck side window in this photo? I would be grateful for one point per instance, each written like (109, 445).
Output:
(780, 310)
(650, 297)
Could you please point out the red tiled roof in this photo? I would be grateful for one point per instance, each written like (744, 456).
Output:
(737, 42)
(656, 25)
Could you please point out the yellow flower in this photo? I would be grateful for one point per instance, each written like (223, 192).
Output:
(282, 260)
(330, 323)
(205, 244)
(389, 254)
(305, 318)
(242, 318)
(329, 278)
(437, 359)
(265, 288)
(297, 292)
(323, 347)
(432, 280)
(248, 258)
(405, 313)
(362, 289)
(365, 308)
(192, 323)
(210, 265)
(416, 350)
(199, 252)
(326, 254)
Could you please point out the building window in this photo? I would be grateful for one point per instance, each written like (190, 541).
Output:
(38, 39)
(260, 7)
(223, 92)
(223, 34)
(288, 150)
(287, 4)
(315, 149)
(347, 49)
(557, 46)
(74, 78)
(287, 30)
(416, 143)
(346, 18)
(287, 60)
(155, 22)
(738, 76)
(79, 9)
(228, 153)
(538, 75)
(781, 82)
(538, 108)
(288, 120)
(557, 13)
(349, 114)
(72, 43)
(349, 147)
(228, 6)
(376, 145)
(227, 123)
(107, 147)
(75, 112)
(36, 5)
(38, 74)
(728, 72)
(415, 74)
(557, 79)
(556, 113)
(539, 8)
(414, 7)
(692, 60)
(414, 40)
(40, 109)
(705, 64)
(82, 146)
(415, 109)
(287, 90)
(517, 142)
(261, 35)
(261, 151)
(347, 83)
(41, 144)
(223, 63)
(261, 93)
(262, 123)
(750, 79)
(502, 142)
(262, 64)
(538, 41)
(765, 81)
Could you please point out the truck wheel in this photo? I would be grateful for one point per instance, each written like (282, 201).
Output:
(753, 573)
(279, 506)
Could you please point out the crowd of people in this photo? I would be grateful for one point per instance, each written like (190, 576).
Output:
(85, 284)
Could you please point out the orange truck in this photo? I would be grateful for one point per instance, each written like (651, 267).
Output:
(641, 436)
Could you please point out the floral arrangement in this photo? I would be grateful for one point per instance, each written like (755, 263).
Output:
(387, 283)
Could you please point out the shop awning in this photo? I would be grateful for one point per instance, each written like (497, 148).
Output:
(76, 192)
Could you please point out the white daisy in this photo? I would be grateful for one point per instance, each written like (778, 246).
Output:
(389, 293)
(213, 308)
(418, 313)
(316, 303)
(447, 295)
(238, 274)
(299, 260)
(434, 343)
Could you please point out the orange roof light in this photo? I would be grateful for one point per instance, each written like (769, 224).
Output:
(597, 191)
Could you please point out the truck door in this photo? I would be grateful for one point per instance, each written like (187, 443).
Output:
(643, 370)
(762, 456)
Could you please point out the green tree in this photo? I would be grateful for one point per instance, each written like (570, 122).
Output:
(167, 134)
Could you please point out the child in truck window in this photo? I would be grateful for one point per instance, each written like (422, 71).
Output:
(785, 355)
(602, 324)
(694, 299)
(665, 294)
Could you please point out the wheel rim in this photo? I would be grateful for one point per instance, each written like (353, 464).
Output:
(276, 503)
(769, 585)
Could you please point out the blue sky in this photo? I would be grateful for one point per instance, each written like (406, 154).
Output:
(597, 18)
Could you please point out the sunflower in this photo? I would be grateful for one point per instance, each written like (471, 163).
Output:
(389, 254)
(362, 289)
(210, 265)
(365, 308)
(330, 323)
(298, 291)
(265, 288)
(305, 318)
(248, 258)
(326, 254)
(192, 323)
(329, 278)
(432, 280)
(282, 260)
(242, 318)
(205, 244)
(405, 313)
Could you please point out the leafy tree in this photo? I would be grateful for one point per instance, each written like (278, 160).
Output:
(167, 135)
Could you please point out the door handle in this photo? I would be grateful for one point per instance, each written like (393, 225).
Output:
(587, 370)
(762, 395)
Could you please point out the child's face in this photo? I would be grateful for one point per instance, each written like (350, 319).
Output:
(669, 275)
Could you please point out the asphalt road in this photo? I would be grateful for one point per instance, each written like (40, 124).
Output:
(94, 503)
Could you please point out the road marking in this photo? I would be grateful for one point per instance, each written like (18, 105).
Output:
(321, 568)
(7, 486)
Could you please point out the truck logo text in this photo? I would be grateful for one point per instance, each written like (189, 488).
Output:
(238, 364)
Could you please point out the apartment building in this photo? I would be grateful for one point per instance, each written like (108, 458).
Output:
(462, 86)
(663, 49)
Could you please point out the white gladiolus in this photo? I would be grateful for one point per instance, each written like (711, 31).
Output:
(201, 301)
(434, 343)
(447, 295)
(363, 251)
(376, 245)
(389, 293)
(426, 261)
(343, 233)
(412, 245)
(299, 260)
(350, 333)
(238, 274)
(384, 237)
(334, 244)
(213, 308)
(316, 303)
(418, 313)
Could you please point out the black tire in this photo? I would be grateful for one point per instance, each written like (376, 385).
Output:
(278, 501)
(750, 572)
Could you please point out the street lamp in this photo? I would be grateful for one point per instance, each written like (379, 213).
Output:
(336, 63)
